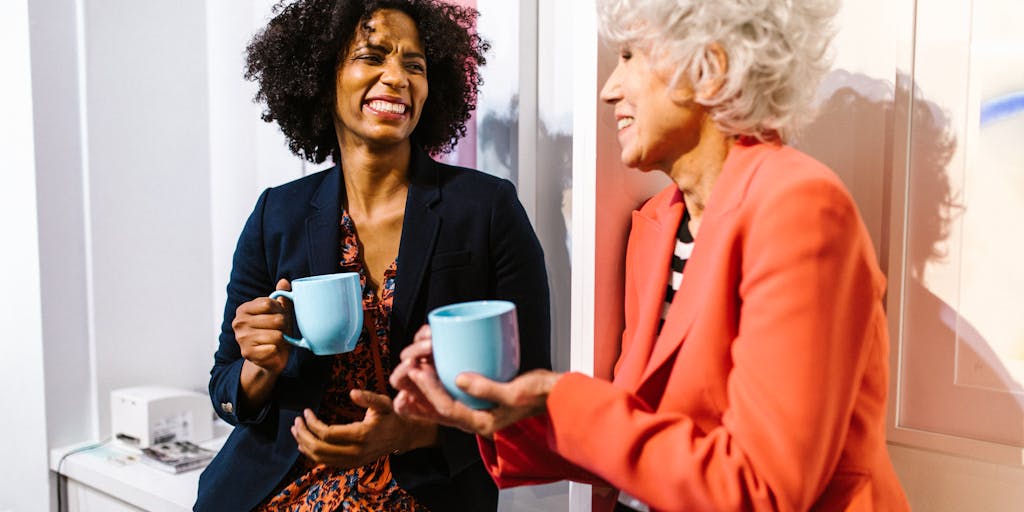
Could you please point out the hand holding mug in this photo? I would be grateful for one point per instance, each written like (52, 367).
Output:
(259, 326)
(481, 337)
(421, 394)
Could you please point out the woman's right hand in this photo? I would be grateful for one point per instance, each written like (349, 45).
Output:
(259, 327)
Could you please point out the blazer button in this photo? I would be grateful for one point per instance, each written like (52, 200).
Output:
(227, 407)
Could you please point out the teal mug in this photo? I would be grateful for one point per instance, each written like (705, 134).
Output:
(328, 311)
(480, 336)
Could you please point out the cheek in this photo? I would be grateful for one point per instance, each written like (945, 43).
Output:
(347, 97)
(420, 96)
(422, 91)
(341, 108)
(339, 96)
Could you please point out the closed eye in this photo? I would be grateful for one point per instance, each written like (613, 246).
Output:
(371, 58)
(625, 53)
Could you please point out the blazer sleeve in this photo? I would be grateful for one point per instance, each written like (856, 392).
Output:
(251, 277)
(810, 295)
(519, 455)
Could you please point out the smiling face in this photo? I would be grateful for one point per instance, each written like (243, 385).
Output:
(658, 123)
(381, 82)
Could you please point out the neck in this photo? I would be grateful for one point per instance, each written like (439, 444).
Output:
(375, 180)
(695, 172)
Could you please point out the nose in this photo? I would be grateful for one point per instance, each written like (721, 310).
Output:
(611, 92)
(395, 74)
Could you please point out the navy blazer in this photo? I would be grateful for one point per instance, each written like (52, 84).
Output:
(465, 237)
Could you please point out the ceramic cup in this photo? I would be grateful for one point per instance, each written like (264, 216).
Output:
(328, 311)
(481, 337)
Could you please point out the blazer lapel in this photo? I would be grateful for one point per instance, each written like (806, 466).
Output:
(322, 229)
(652, 240)
(324, 251)
(681, 313)
(737, 171)
(419, 231)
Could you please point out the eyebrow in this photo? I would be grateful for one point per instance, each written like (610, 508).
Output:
(384, 49)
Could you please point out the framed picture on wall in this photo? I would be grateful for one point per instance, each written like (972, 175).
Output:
(956, 296)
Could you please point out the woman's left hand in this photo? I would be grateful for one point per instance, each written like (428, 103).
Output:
(381, 432)
(421, 394)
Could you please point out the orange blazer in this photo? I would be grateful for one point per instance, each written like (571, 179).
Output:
(766, 388)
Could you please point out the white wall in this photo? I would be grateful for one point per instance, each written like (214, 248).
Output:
(148, 194)
(64, 254)
(128, 228)
(939, 482)
(132, 249)
(152, 155)
(23, 473)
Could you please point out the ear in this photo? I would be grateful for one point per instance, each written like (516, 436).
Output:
(717, 69)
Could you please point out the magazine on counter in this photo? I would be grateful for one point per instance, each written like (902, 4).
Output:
(177, 456)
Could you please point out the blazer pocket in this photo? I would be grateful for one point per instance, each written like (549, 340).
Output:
(451, 259)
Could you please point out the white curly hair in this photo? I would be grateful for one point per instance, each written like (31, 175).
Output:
(777, 50)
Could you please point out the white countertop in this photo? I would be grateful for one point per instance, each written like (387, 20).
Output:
(119, 472)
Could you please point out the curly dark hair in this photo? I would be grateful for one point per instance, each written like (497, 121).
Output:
(293, 60)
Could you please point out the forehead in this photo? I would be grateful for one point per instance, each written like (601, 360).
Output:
(387, 27)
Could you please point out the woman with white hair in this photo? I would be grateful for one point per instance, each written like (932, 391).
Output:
(753, 370)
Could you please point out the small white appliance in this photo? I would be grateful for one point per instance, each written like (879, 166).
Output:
(148, 415)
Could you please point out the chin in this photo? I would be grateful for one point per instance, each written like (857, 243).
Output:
(629, 160)
(390, 139)
(634, 163)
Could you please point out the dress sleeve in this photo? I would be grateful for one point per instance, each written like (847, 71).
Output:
(810, 305)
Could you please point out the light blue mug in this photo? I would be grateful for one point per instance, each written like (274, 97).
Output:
(480, 336)
(328, 311)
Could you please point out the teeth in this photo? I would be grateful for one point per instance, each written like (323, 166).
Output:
(387, 106)
(625, 121)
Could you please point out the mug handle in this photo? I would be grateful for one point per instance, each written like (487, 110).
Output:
(297, 342)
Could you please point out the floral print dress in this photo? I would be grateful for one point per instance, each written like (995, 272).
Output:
(318, 487)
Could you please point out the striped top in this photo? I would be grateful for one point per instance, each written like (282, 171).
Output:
(681, 254)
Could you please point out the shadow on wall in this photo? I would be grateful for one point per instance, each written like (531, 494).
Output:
(936, 339)
(498, 134)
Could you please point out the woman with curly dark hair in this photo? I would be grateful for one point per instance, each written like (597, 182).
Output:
(377, 87)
